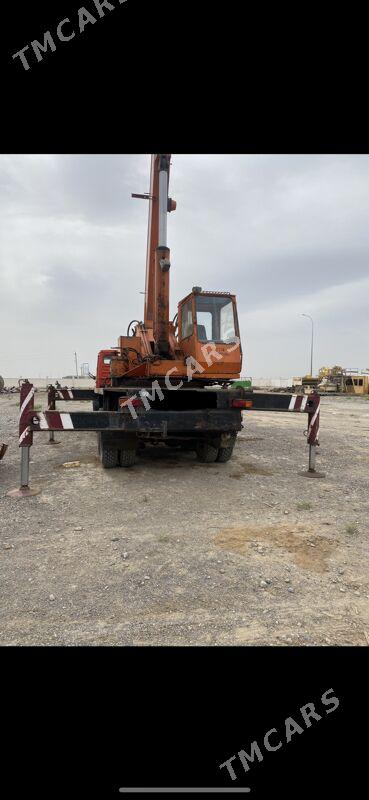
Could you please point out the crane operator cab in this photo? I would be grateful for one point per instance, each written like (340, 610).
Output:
(208, 331)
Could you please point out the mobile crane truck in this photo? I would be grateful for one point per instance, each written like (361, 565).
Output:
(171, 382)
(161, 375)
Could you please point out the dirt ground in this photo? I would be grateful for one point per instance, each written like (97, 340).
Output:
(173, 552)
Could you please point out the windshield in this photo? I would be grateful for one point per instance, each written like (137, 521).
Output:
(215, 319)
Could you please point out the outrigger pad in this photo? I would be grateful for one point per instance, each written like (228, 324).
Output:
(309, 473)
(23, 491)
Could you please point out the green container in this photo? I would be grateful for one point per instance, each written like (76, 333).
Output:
(246, 383)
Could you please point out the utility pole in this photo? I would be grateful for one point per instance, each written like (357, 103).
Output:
(75, 358)
(312, 342)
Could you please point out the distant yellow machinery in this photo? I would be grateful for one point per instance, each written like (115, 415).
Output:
(334, 380)
(357, 384)
(345, 381)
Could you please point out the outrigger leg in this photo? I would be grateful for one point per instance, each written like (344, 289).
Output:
(26, 401)
(312, 436)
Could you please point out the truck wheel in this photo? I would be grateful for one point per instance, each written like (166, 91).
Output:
(206, 452)
(108, 455)
(127, 458)
(225, 453)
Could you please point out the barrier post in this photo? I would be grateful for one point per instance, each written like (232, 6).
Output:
(26, 403)
(51, 394)
(313, 435)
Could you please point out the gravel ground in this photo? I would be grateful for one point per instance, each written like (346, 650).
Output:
(175, 552)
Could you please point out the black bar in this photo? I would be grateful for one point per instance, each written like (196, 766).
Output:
(147, 383)
(78, 394)
(153, 421)
(273, 402)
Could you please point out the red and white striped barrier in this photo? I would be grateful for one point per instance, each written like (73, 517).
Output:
(54, 420)
(26, 402)
(313, 429)
(26, 410)
(314, 418)
(313, 434)
(64, 394)
(298, 402)
(51, 397)
(59, 394)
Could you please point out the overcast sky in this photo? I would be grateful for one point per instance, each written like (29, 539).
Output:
(288, 234)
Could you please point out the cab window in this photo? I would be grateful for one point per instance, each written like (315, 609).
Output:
(215, 319)
(204, 326)
(187, 320)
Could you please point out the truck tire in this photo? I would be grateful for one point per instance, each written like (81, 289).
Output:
(206, 452)
(127, 458)
(108, 455)
(225, 453)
